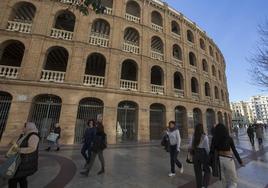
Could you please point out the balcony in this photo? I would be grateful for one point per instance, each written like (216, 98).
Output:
(177, 62)
(179, 93)
(157, 27)
(193, 68)
(9, 72)
(108, 11)
(95, 81)
(52, 76)
(61, 34)
(195, 96)
(128, 85)
(72, 2)
(157, 89)
(175, 35)
(129, 47)
(157, 55)
(132, 18)
(19, 26)
(99, 39)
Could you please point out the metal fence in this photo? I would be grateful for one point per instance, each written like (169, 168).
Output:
(45, 113)
(211, 120)
(88, 108)
(181, 120)
(126, 127)
(5, 102)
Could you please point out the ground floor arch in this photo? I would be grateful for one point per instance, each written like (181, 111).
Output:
(197, 116)
(127, 121)
(211, 120)
(181, 120)
(5, 103)
(45, 113)
(157, 121)
(88, 108)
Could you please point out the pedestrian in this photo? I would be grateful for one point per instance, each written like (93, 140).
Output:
(57, 130)
(259, 134)
(224, 145)
(236, 130)
(28, 150)
(199, 148)
(88, 137)
(250, 132)
(99, 144)
(174, 148)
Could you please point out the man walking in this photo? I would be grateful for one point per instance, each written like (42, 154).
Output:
(250, 132)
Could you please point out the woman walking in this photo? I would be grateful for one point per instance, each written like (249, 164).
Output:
(199, 148)
(99, 144)
(174, 149)
(28, 150)
(56, 130)
(224, 145)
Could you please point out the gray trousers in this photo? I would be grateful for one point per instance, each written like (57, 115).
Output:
(92, 159)
(228, 172)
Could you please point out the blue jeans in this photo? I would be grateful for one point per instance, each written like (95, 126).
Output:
(86, 152)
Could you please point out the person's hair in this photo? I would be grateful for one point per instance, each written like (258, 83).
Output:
(171, 122)
(100, 128)
(91, 120)
(198, 132)
(221, 132)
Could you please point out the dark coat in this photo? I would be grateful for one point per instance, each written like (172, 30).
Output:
(29, 162)
(89, 135)
(99, 142)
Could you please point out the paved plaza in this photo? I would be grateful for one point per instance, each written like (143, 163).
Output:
(141, 166)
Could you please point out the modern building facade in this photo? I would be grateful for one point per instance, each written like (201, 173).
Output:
(140, 64)
(259, 108)
(241, 113)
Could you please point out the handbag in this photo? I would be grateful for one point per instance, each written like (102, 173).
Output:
(52, 137)
(10, 166)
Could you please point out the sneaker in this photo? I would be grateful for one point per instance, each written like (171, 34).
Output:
(171, 174)
(181, 169)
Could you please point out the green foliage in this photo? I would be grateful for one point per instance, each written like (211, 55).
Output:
(85, 5)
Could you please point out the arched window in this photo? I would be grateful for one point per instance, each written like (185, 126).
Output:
(202, 44)
(216, 90)
(178, 81)
(133, 11)
(211, 53)
(205, 65)
(157, 21)
(194, 85)
(207, 89)
(222, 96)
(5, 103)
(175, 27)
(190, 36)
(157, 48)
(157, 75)
(100, 32)
(129, 70)
(219, 74)
(177, 53)
(55, 65)
(21, 18)
(131, 36)
(95, 65)
(213, 70)
(65, 20)
(192, 59)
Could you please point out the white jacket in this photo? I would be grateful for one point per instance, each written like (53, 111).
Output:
(175, 138)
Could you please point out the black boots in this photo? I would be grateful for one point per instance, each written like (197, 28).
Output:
(58, 149)
(85, 173)
(101, 171)
(48, 149)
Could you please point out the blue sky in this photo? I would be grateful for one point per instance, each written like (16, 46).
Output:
(232, 24)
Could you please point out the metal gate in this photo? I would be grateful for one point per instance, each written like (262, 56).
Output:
(5, 102)
(157, 121)
(197, 116)
(45, 113)
(211, 120)
(88, 108)
(126, 126)
(180, 119)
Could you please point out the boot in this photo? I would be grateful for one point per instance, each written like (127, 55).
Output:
(48, 149)
(58, 149)
(101, 171)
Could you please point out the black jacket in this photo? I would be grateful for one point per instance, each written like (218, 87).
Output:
(29, 162)
(99, 142)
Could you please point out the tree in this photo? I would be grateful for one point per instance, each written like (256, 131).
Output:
(259, 60)
(84, 6)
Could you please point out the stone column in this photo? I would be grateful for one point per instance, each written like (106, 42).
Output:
(67, 122)
(144, 124)
(109, 121)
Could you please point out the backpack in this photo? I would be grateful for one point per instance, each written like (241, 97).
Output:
(165, 142)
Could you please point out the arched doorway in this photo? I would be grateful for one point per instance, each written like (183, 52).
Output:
(157, 121)
(220, 118)
(211, 120)
(45, 113)
(127, 121)
(88, 109)
(197, 115)
(181, 120)
(5, 102)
